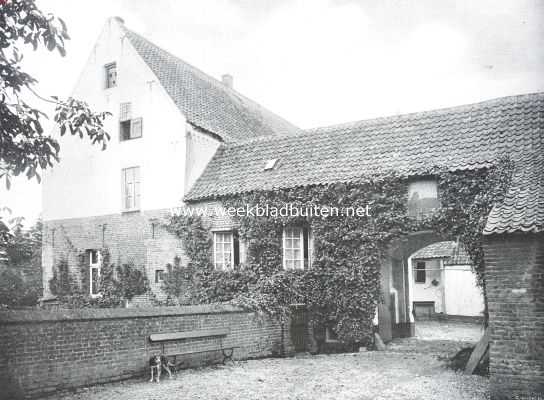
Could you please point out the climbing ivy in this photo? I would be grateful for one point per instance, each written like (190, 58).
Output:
(467, 198)
(117, 284)
(342, 288)
(343, 283)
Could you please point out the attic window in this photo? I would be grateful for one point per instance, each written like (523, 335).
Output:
(270, 164)
(111, 75)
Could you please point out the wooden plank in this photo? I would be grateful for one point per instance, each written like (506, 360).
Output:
(162, 337)
(477, 353)
(384, 323)
(186, 353)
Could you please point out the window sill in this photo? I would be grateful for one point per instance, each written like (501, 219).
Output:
(130, 139)
(130, 211)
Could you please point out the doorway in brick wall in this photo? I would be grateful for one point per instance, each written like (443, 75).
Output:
(298, 327)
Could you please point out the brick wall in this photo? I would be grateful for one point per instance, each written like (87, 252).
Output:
(515, 290)
(138, 238)
(41, 352)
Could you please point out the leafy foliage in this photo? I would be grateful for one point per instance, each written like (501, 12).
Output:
(15, 290)
(24, 148)
(117, 284)
(20, 256)
(342, 288)
(467, 198)
(343, 283)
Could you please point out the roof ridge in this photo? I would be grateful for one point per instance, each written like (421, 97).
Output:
(388, 118)
(195, 69)
(431, 112)
(261, 112)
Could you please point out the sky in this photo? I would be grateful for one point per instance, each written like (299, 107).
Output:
(317, 62)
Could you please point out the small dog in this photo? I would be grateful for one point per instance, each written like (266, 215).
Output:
(158, 363)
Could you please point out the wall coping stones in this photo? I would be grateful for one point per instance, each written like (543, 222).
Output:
(87, 314)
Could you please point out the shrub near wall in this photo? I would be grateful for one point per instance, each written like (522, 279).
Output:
(42, 352)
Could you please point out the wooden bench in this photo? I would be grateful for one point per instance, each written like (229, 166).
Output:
(163, 338)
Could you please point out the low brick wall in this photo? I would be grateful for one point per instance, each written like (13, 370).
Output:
(44, 351)
(515, 291)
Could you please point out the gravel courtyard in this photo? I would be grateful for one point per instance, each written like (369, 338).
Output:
(409, 369)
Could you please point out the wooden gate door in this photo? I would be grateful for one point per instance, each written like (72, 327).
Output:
(298, 327)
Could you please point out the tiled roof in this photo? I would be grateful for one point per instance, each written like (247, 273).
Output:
(435, 250)
(464, 137)
(452, 253)
(523, 207)
(207, 102)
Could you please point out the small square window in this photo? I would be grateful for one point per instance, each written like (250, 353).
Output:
(159, 275)
(111, 75)
(270, 164)
(330, 335)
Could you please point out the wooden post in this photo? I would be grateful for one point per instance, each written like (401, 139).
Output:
(478, 353)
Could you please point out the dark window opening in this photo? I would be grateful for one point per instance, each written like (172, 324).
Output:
(130, 129)
(125, 130)
(421, 275)
(236, 255)
(330, 335)
(159, 275)
(306, 245)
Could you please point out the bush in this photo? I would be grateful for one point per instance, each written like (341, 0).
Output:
(16, 291)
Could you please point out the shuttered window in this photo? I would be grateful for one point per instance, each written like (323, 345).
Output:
(129, 128)
(111, 75)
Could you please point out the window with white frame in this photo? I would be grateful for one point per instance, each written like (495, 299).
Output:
(223, 243)
(94, 272)
(296, 248)
(131, 188)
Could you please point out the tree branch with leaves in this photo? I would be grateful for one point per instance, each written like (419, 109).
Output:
(24, 147)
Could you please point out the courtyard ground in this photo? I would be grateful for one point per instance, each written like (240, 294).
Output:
(409, 369)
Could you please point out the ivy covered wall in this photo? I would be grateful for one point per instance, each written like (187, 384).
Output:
(342, 287)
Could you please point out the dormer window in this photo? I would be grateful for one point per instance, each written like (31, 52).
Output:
(270, 164)
(111, 75)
